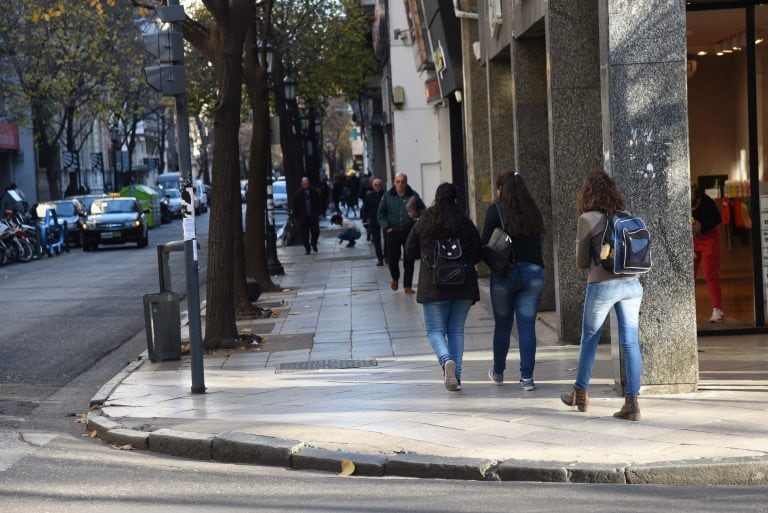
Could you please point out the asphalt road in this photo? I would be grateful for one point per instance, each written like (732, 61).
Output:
(61, 316)
(75, 475)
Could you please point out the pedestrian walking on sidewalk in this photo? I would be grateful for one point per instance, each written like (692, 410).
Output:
(445, 307)
(350, 232)
(605, 290)
(398, 211)
(307, 207)
(518, 293)
(369, 213)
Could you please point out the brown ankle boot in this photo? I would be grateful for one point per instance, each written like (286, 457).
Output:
(577, 397)
(630, 410)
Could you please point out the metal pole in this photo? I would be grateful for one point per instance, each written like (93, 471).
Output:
(190, 242)
(274, 267)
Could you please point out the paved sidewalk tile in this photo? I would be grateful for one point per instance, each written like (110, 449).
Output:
(338, 306)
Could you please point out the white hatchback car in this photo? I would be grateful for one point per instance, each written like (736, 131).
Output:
(279, 194)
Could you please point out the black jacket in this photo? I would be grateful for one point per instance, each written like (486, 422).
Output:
(527, 249)
(371, 207)
(705, 211)
(416, 245)
(298, 204)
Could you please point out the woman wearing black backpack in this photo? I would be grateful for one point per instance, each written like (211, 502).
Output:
(446, 305)
(605, 291)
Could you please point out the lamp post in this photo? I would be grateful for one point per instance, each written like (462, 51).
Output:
(274, 267)
(114, 134)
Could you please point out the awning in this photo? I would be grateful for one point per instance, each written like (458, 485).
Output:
(9, 136)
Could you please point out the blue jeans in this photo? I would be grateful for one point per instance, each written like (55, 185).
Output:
(444, 322)
(349, 234)
(516, 295)
(625, 297)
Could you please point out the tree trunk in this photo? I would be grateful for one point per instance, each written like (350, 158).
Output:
(220, 327)
(255, 240)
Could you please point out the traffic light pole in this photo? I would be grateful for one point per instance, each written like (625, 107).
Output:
(168, 78)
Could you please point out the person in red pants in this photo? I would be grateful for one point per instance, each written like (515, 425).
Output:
(706, 247)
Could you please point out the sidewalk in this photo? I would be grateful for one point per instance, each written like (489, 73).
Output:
(373, 394)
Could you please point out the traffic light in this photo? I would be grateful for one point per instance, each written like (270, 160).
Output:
(167, 47)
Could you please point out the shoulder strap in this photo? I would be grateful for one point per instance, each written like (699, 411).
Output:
(501, 218)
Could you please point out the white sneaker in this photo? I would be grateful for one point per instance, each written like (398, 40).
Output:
(717, 315)
(449, 376)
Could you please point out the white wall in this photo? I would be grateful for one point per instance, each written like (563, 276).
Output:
(421, 131)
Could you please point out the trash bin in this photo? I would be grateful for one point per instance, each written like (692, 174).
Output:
(163, 326)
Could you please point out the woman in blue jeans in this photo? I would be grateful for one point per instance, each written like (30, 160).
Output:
(516, 294)
(605, 290)
(445, 307)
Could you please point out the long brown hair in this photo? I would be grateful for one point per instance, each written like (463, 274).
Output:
(521, 215)
(599, 194)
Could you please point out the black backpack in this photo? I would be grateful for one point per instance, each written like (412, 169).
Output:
(448, 266)
(626, 245)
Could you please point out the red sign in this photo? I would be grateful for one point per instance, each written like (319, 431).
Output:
(9, 136)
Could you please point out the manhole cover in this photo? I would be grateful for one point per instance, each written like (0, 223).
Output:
(324, 364)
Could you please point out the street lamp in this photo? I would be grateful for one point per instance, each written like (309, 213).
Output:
(114, 134)
(274, 267)
(289, 85)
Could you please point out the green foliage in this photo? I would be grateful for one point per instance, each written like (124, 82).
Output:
(65, 61)
(324, 45)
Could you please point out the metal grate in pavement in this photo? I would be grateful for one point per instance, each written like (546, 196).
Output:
(325, 364)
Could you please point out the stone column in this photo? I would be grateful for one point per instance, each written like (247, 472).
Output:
(475, 114)
(501, 115)
(529, 72)
(575, 142)
(645, 127)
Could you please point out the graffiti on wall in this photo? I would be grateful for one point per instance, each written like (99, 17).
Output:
(649, 152)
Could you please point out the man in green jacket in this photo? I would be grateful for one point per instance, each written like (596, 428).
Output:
(398, 210)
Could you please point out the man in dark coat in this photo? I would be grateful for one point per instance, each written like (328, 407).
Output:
(399, 208)
(369, 214)
(307, 208)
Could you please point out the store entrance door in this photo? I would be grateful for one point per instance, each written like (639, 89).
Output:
(727, 120)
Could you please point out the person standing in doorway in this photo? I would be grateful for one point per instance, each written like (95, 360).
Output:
(369, 213)
(399, 208)
(605, 291)
(445, 307)
(516, 295)
(706, 247)
(307, 208)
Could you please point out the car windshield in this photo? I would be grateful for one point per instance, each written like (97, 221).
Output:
(278, 188)
(65, 208)
(114, 206)
(173, 193)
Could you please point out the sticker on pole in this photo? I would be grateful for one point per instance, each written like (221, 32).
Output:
(188, 211)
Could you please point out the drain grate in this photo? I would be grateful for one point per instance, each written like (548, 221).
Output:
(325, 364)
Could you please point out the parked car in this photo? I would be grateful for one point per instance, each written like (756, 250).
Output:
(115, 221)
(174, 202)
(71, 214)
(87, 199)
(279, 194)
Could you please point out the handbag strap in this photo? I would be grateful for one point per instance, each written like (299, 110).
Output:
(501, 218)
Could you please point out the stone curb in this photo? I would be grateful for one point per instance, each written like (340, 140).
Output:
(107, 388)
(239, 447)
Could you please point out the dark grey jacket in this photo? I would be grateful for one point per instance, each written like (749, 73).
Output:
(392, 212)
(417, 246)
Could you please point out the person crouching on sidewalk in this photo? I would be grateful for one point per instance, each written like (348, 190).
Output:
(349, 233)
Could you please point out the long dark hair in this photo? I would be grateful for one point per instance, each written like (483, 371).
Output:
(444, 218)
(599, 194)
(522, 218)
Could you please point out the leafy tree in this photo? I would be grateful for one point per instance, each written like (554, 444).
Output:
(60, 60)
